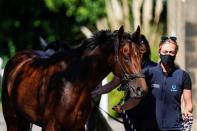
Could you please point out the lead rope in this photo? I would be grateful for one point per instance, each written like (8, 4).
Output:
(107, 112)
(128, 121)
(125, 115)
(187, 124)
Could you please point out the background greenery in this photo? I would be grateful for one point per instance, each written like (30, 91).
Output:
(22, 22)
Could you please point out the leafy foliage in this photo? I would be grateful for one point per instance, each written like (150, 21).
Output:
(82, 10)
(114, 97)
(23, 22)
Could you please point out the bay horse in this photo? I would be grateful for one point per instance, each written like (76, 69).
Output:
(96, 115)
(54, 92)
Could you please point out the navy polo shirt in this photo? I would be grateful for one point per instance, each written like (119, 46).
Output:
(165, 97)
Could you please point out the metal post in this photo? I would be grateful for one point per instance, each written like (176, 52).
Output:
(176, 27)
(104, 100)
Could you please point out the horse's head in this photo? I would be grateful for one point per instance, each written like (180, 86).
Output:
(122, 52)
(128, 62)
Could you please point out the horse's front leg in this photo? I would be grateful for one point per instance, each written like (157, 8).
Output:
(81, 129)
(54, 127)
(51, 126)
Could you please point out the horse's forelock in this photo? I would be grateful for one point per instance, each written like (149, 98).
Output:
(135, 58)
(133, 55)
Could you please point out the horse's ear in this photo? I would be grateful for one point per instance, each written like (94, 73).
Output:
(120, 32)
(138, 30)
(136, 34)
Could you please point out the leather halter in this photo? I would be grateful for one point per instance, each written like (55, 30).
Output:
(125, 77)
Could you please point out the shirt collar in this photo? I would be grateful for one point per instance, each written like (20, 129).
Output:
(173, 68)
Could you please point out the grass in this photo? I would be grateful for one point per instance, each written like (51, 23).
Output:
(114, 97)
(0, 107)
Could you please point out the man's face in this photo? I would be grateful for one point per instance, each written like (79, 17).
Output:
(168, 49)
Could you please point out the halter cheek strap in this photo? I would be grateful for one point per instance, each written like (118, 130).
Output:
(123, 72)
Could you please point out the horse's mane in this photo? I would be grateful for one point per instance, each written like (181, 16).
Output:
(101, 36)
(98, 38)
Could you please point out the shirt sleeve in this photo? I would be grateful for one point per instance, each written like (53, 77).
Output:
(145, 72)
(187, 83)
(147, 76)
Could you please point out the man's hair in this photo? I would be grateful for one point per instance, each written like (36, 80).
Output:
(169, 41)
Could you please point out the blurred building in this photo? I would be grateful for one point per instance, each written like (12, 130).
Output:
(182, 22)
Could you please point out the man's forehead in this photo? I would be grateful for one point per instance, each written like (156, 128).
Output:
(168, 46)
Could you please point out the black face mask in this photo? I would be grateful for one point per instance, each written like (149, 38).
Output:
(167, 60)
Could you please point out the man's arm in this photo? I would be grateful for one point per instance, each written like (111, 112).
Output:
(187, 97)
(106, 88)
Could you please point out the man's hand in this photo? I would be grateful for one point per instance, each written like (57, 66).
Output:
(118, 108)
(187, 114)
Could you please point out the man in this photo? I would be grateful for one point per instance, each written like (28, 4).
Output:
(167, 84)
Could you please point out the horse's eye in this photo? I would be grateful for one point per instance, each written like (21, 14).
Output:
(126, 58)
(129, 41)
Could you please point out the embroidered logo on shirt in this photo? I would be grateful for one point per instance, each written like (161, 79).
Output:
(155, 85)
(173, 88)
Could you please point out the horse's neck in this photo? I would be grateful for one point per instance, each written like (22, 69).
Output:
(97, 68)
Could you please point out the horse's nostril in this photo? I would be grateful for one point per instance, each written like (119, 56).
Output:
(138, 88)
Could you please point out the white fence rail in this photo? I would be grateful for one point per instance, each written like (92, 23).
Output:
(1, 70)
